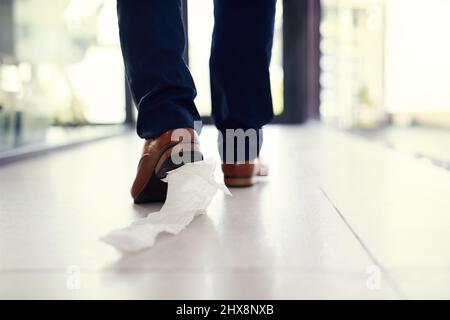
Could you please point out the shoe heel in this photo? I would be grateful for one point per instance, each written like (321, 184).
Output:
(176, 156)
(239, 175)
(154, 191)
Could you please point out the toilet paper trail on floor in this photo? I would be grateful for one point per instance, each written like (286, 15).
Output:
(191, 189)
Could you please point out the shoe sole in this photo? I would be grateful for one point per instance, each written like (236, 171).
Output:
(156, 190)
(239, 182)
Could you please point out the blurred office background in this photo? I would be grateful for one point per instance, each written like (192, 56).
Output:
(379, 68)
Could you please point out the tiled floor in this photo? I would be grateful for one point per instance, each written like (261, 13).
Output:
(339, 217)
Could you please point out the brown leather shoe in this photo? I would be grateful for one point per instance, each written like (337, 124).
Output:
(169, 151)
(243, 174)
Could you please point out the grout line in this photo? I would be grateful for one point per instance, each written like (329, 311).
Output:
(395, 286)
(163, 270)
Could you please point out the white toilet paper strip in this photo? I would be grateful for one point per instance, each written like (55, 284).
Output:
(191, 189)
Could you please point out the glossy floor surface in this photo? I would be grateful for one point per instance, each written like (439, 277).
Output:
(338, 217)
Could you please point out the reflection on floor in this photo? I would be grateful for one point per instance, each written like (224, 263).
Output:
(339, 217)
(421, 141)
(15, 147)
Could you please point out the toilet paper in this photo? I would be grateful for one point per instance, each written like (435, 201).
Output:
(191, 189)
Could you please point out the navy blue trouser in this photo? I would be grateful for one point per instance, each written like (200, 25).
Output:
(153, 41)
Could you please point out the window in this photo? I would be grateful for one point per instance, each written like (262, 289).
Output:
(60, 65)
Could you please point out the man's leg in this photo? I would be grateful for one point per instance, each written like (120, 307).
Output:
(153, 39)
(239, 64)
